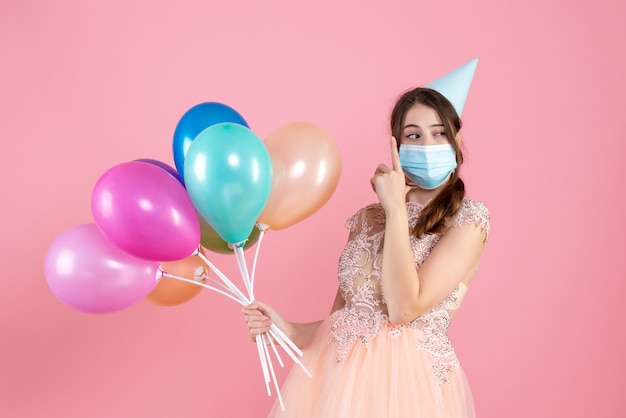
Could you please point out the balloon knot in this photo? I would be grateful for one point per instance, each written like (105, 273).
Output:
(240, 244)
(262, 227)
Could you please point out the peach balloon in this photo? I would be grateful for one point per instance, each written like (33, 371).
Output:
(170, 292)
(306, 167)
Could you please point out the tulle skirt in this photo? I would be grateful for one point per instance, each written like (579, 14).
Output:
(391, 377)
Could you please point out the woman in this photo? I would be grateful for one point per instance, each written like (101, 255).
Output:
(383, 351)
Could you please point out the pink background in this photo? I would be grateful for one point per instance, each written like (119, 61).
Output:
(86, 85)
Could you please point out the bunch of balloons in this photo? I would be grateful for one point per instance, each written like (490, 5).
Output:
(154, 224)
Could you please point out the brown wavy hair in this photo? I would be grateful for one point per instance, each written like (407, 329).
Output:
(439, 211)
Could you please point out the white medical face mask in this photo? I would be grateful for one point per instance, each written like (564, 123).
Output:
(428, 166)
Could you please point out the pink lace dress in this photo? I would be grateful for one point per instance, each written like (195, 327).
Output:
(364, 366)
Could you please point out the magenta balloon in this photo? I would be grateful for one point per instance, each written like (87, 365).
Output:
(146, 212)
(88, 273)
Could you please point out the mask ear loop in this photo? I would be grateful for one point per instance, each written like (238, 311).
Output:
(459, 142)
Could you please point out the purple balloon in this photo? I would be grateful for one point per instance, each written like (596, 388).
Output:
(164, 166)
(88, 273)
(146, 212)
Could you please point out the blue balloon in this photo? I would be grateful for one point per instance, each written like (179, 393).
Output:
(228, 174)
(194, 121)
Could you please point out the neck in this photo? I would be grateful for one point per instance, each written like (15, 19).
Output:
(422, 196)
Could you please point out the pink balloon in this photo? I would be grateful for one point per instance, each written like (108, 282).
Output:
(146, 212)
(88, 273)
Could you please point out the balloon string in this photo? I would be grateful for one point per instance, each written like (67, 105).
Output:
(282, 336)
(204, 277)
(220, 284)
(274, 334)
(183, 279)
(271, 367)
(243, 268)
(288, 350)
(263, 360)
(280, 360)
(231, 286)
(256, 254)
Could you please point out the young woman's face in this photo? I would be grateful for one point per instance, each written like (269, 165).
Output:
(423, 126)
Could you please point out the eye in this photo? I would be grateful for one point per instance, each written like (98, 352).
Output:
(442, 133)
(413, 136)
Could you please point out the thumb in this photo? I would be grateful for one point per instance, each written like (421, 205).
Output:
(261, 306)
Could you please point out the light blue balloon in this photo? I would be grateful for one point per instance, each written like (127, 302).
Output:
(228, 175)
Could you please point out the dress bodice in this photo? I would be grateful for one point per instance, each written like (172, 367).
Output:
(360, 263)
(360, 267)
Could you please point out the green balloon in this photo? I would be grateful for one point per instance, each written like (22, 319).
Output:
(212, 241)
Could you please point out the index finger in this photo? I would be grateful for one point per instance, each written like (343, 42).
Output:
(395, 156)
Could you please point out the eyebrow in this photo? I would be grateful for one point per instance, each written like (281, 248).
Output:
(437, 125)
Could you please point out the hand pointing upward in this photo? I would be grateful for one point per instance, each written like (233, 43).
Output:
(390, 183)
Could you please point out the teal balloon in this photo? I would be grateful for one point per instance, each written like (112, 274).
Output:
(228, 175)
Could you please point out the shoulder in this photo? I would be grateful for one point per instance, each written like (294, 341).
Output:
(371, 211)
(473, 212)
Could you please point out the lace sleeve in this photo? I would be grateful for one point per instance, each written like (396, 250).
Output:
(472, 211)
(368, 213)
(352, 221)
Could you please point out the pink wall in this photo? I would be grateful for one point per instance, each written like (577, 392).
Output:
(86, 85)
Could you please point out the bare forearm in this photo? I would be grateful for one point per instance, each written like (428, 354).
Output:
(399, 277)
(302, 333)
